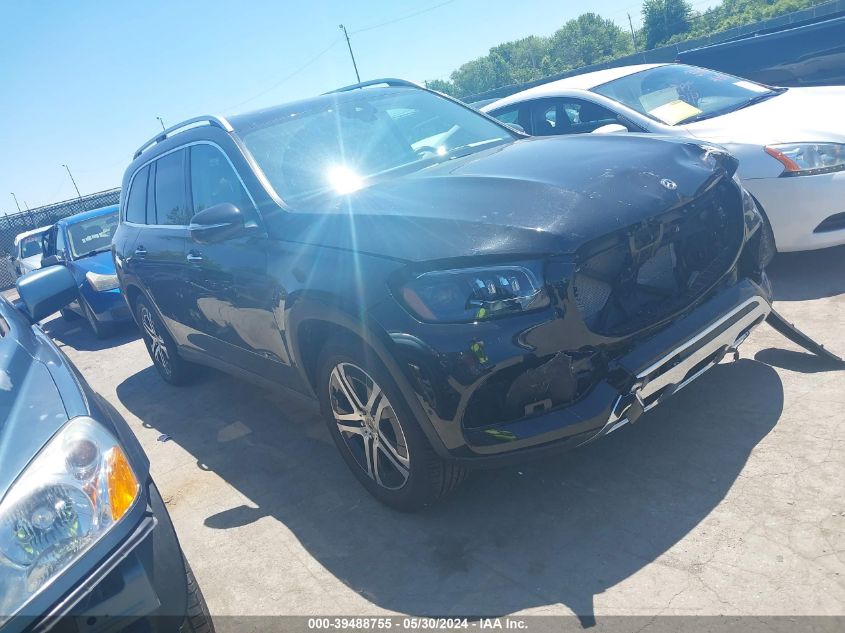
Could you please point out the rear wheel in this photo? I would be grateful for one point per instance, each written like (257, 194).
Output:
(376, 432)
(161, 348)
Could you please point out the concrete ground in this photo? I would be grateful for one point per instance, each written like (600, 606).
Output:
(727, 499)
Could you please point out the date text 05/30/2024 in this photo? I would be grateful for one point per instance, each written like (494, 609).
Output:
(413, 624)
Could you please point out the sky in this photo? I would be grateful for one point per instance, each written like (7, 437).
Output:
(82, 82)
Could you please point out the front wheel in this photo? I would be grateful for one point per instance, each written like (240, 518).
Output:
(161, 348)
(101, 330)
(376, 432)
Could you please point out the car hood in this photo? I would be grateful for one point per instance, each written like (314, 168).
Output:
(101, 263)
(537, 195)
(799, 114)
(31, 408)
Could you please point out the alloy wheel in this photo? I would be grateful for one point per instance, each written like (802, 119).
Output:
(369, 426)
(158, 349)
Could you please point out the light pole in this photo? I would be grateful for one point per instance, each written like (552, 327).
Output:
(163, 129)
(633, 37)
(73, 181)
(351, 54)
(16, 202)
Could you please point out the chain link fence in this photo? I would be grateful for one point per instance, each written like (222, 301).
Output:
(15, 223)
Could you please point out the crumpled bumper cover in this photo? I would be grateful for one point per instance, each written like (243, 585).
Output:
(653, 370)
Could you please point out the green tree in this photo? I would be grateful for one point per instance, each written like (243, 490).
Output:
(665, 19)
(441, 85)
(588, 39)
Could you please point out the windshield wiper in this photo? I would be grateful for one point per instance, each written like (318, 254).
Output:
(473, 146)
(709, 115)
(102, 249)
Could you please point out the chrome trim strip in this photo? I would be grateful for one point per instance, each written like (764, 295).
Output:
(729, 339)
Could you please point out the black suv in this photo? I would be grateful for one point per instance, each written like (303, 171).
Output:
(452, 292)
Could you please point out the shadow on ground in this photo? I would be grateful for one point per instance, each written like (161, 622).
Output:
(560, 531)
(78, 335)
(809, 274)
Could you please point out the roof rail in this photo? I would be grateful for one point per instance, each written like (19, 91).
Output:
(217, 121)
(388, 81)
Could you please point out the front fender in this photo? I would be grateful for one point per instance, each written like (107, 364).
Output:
(308, 310)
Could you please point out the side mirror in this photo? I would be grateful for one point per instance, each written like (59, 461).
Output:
(216, 224)
(51, 260)
(46, 290)
(610, 128)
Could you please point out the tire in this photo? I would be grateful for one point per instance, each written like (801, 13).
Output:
(162, 350)
(379, 437)
(101, 330)
(197, 618)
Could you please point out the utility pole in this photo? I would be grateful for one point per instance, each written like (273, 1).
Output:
(160, 120)
(73, 181)
(16, 202)
(633, 37)
(351, 54)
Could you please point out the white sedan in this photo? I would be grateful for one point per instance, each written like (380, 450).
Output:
(790, 141)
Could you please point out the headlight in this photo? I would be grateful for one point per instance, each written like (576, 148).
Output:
(67, 498)
(101, 283)
(803, 159)
(473, 294)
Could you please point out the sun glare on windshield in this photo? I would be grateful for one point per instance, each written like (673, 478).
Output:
(343, 180)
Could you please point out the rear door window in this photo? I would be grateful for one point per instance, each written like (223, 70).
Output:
(136, 203)
(170, 189)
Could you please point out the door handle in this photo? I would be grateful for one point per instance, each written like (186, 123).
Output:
(194, 258)
(141, 251)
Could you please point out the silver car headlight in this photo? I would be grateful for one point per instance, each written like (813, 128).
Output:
(68, 497)
(805, 159)
(101, 283)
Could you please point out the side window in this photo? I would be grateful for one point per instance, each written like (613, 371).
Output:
(48, 243)
(136, 203)
(586, 116)
(213, 181)
(171, 205)
(508, 115)
(514, 115)
(61, 247)
(568, 116)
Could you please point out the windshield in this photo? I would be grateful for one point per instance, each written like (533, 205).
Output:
(92, 235)
(676, 94)
(31, 246)
(338, 145)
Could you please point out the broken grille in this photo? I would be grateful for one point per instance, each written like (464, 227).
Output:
(659, 266)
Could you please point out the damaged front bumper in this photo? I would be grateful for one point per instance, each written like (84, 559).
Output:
(639, 380)
(672, 371)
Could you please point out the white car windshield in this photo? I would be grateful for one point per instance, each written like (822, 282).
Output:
(675, 94)
(340, 143)
(31, 246)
